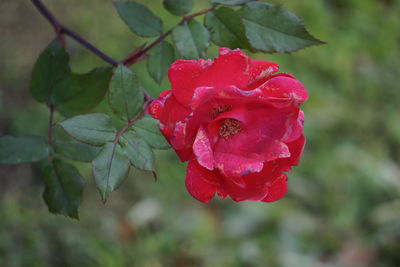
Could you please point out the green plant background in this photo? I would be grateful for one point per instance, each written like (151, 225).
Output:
(343, 205)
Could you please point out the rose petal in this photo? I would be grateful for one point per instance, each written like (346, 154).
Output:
(184, 154)
(202, 149)
(296, 149)
(276, 150)
(183, 75)
(156, 107)
(231, 165)
(283, 87)
(262, 126)
(202, 95)
(179, 142)
(231, 67)
(260, 71)
(295, 125)
(236, 95)
(238, 113)
(196, 182)
(178, 139)
(172, 113)
(255, 187)
(277, 189)
(259, 138)
(232, 92)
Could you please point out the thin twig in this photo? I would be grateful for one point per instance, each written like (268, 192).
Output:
(132, 58)
(132, 122)
(202, 12)
(91, 47)
(135, 56)
(61, 29)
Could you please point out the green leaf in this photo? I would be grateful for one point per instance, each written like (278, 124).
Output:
(110, 168)
(138, 151)
(191, 39)
(79, 93)
(94, 129)
(139, 18)
(63, 188)
(231, 2)
(178, 7)
(147, 129)
(271, 28)
(15, 150)
(125, 97)
(50, 68)
(161, 57)
(226, 28)
(76, 151)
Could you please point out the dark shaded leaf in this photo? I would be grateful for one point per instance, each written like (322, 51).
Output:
(79, 93)
(110, 168)
(226, 28)
(76, 151)
(191, 39)
(178, 7)
(51, 67)
(139, 18)
(138, 151)
(63, 188)
(231, 2)
(94, 129)
(271, 28)
(161, 57)
(15, 150)
(147, 129)
(125, 97)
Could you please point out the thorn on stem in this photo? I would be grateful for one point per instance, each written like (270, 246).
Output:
(59, 34)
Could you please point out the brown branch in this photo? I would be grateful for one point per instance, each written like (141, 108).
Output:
(133, 58)
(61, 29)
(136, 55)
(132, 122)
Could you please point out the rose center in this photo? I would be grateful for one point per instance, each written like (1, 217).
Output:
(229, 127)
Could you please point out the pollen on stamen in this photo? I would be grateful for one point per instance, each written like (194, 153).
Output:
(229, 127)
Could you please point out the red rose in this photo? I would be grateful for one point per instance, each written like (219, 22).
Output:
(237, 123)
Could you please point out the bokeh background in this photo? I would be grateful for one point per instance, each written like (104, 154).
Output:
(343, 205)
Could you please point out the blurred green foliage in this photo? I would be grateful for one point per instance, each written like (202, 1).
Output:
(343, 205)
